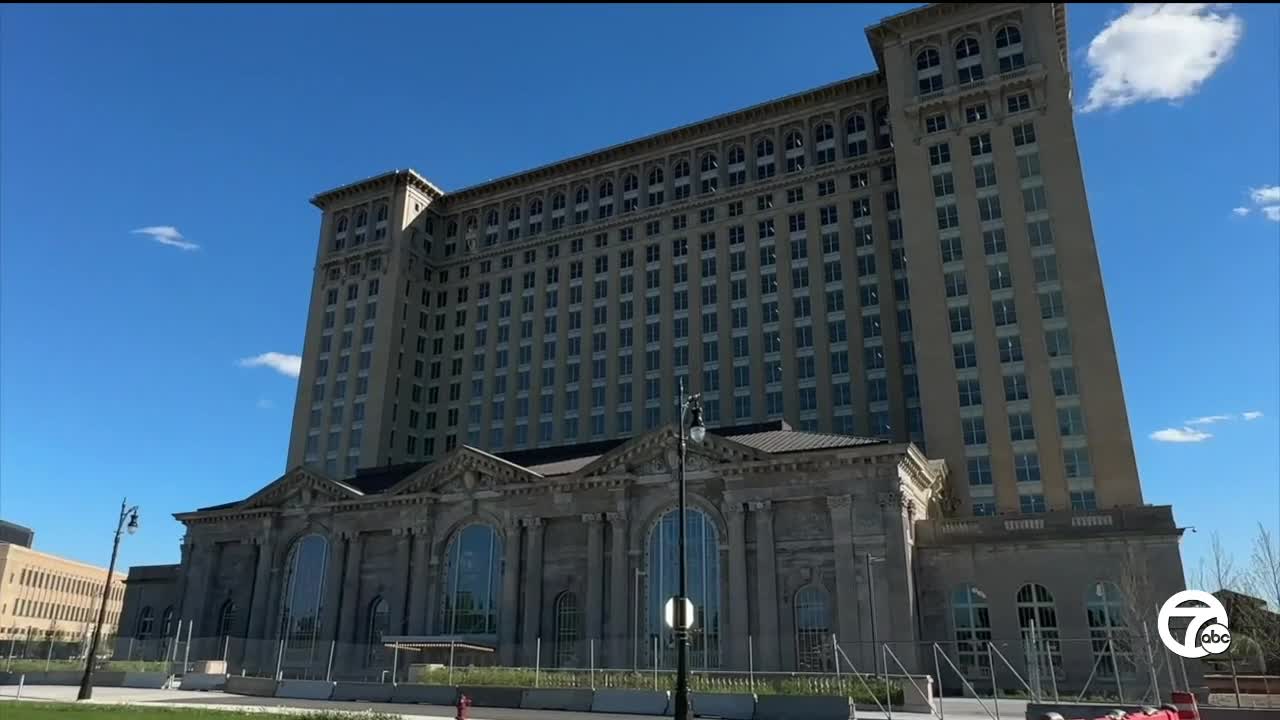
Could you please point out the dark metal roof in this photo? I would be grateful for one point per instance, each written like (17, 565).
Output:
(774, 437)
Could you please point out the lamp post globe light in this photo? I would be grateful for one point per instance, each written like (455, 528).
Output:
(690, 408)
(129, 514)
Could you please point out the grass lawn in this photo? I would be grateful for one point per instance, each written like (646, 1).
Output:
(69, 711)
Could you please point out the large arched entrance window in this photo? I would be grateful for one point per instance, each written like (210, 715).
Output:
(226, 621)
(567, 620)
(379, 625)
(473, 582)
(166, 623)
(702, 558)
(303, 590)
(813, 630)
(1108, 633)
(973, 630)
(1039, 640)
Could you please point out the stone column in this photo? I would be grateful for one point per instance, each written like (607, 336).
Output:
(532, 588)
(262, 578)
(766, 644)
(895, 593)
(400, 573)
(739, 625)
(619, 591)
(419, 576)
(846, 600)
(350, 600)
(510, 596)
(594, 607)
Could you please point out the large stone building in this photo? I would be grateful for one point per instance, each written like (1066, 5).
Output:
(46, 597)
(485, 418)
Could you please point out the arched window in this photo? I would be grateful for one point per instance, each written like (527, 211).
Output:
(491, 219)
(606, 189)
(382, 213)
(929, 71)
(1108, 632)
(583, 195)
(1035, 603)
(535, 207)
(146, 623)
(823, 132)
(884, 133)
(362, 219)
(709, 162)
(1009, 49)
(813, 630)
(226, 622)
(452, 230)
(166, 622)
(681, 170)
(557, 201)
(968, 61)
(656, 177)
(471, 225)
(737, 155)
(764, 148)
(379, 625)
(793, 145)
(473, 582)
(702, 559)
(567, 621)
(630, 183)
(794, 141)
(513, 214)
(342, 224)
(855, 136)
(302, 598)
(972, 624)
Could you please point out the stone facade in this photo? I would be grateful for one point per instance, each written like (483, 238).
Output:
(791, 513)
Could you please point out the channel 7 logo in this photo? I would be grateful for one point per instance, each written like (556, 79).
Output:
(1206, 632)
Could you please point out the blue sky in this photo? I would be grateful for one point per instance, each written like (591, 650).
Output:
(119, 370)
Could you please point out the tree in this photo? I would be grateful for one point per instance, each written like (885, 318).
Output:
(1251, 597)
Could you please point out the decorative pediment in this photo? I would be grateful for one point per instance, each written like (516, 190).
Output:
(466, 470)
(300, 488)
(658, 453)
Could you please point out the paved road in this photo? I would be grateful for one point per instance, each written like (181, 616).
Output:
(953, 708)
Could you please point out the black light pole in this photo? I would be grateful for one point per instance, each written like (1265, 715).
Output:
(86, 682)
(693, 407)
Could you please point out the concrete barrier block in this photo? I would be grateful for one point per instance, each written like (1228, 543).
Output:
(304, 689)
(210, 667)
(499, 697)
(253, 686)
(917, 693)
(203, 681)
(801, 707)
(364, 691)
(60, 677)
(8, 678)
(148, 680)
(27, 678)
(730, 706)
(636, 702)
(425, 694)
(108, 679)
(568, 699)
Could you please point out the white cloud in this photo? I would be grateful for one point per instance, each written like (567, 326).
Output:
(1272, 212)
(1180, 435)
(1265, 195)
(167, 235)
(1240, 211)
(1208, 419)
(265, 404)
(1159, 51)
(1252, 415)
(290, 365)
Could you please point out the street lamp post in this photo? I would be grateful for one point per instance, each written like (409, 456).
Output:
(692, 407)
(126, 513)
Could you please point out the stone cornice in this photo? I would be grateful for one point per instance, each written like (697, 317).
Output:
(390, 180)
